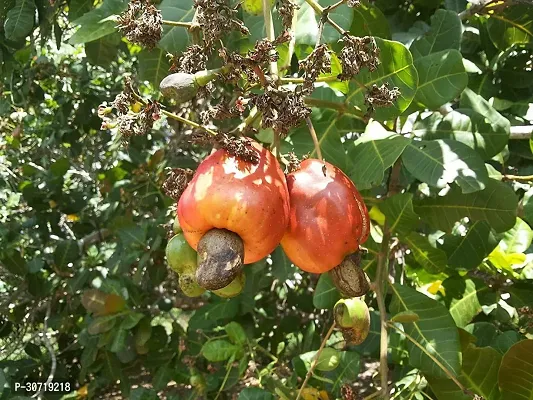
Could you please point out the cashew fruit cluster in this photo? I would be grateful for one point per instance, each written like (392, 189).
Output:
(237, 210)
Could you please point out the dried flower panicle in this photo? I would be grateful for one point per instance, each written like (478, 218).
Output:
(217, 18)
(263, 51)
(281, 109)
(141, 23)
(380, 96)
(316, 63)
(294, 162)
(192, 60)
(348, 393)
(286, 10)
(358, 52)
(176, 182)
(353, 3)
(219, 112)
(239, 147)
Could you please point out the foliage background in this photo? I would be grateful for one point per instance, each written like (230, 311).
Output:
(82, 216)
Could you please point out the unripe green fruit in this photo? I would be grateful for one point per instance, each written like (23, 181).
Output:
(254, 7)
(353, 316)
(189, 286)
(183, 87)
(328, 360)
(197, 381)
(176, 227)
(234, 288)
(180, 256)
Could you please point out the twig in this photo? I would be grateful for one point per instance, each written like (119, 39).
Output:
(474, 9)
(323, 12)
(50, 349)
(525, 178)
(92, 238)
(177, 117)
(315, 361)
(330, 78)
(314, 137)
(337, 4)
(194, 29)
(433, 358)
(187, 25)
(271, 35)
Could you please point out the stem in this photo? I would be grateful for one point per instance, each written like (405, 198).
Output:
(331, 78)
(336, 26)
(314, 137)
(178, 118)
(315, 6)
(518, 177)
(433, 358)
(266, 352)
(187, 25)
(315, 361)
(474, 9)
(271, 35)
(337, 4)
(195, 28)
(228, 370)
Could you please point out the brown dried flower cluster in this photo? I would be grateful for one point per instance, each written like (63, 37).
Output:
(176, 182)
(286, 10)
(129, 123)
(357, 53)
(319, 61)
(239, 147)
(353, 3)
(192, 60)
(281, 109)
(217, 18)
(220, 111)
(141, 23)
(380, 96)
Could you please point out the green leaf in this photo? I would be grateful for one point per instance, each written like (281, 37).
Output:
(175, 38)
(468, 251)
(119, 340)
(466, 126)
(405, 317)
(282, 268)
(496, 205)
(485, 333)
(400, 215)
(477, 103)
(435, 332)
(19, 20)
(329, 140)
(97, 23)
(153, 66)
(511, 26)
(162, 377)
(14, 263)
(464, 298)
(236, 333)
(60, 166)
(103, 51)
(347, 371)
(67, 251)
(208, 315)
(102, 324)
(516, 375)
(142, 393)
(219, 350)
(521, 294)
(442, 78)
(326, 294)
(518, 239)
(445, 33)
(131, 320)
(368, 20)
(255, 393)
(504, 341)
(440, 162)
(431, 259)
(77, 8)
(397, 70)
(372, 154)
(479, 374)
(307, 23)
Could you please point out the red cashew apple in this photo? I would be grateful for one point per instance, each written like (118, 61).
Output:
(328, 218)
(233, 212)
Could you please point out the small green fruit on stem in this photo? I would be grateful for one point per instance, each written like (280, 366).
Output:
(220, 258)
(234, 288)
(183, 87)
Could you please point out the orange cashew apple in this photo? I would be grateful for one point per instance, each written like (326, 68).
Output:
(233, 212)
(328, 218)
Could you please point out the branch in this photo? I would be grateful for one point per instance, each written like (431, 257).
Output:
(92, 238)
(525, 178)
(50, 349)
(314, 137)
(315, 360)
(474, 9)
(271, 35)
(187, 25)
(323, 14)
